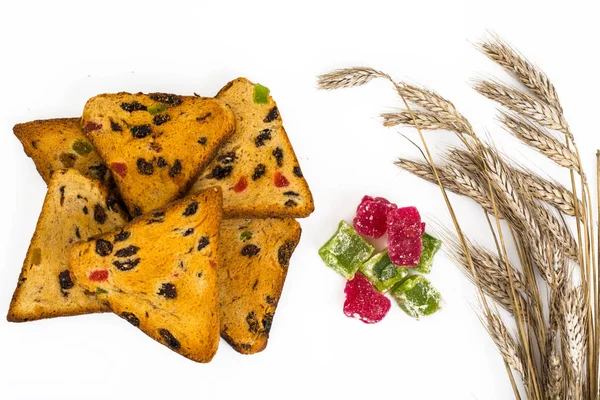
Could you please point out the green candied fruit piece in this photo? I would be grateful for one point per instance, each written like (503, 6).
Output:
(246, 235)
(80, 147)
(261, 94)
(382, 273)
(345, 251)
(417, 297)
(431, 246)
(157, 108)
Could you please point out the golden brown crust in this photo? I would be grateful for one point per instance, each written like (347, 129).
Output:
(257, 168)
(254, 257)
(75, 208)
(159, 273)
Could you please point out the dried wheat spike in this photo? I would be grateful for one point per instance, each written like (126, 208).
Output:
(348, 77)
(509, 349)
(573, 326)
(425, 120)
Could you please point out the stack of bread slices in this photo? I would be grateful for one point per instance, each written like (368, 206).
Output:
(176, 213)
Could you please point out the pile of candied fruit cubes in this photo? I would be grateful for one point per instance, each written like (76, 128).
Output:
(396, 270)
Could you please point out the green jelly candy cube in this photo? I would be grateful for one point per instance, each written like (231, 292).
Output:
(382, 273)
(345, 251)
(261, 94)
(431, 246)
(416, 296)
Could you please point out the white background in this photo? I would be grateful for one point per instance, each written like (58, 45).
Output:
(56, 55)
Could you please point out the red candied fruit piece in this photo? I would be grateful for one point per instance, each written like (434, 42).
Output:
(119, 169)
(280, 180)
(371, 216)
(363, 302)
(92, 126)
(241, 185)
(99, 275)
(405, 222)
(405, 251)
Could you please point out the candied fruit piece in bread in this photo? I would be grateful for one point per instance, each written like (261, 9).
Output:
(74, 209)
(155, 144)
(159, 273)
(55, 144)
(257, 168)
(255, 256)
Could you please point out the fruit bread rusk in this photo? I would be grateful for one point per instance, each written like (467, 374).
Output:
(159, 273)
(255, 255)
(55, 144)
(257, 168)
(155, 144)
(75, 208)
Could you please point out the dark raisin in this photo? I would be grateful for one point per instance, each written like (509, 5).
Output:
(188, 232)
(285, 253)
(272, 115)
(298, 172)
(77, 233)
(255, 284)
(157, 217)
(259, 171)
(220, 172)
(252, 321)
(264, 135)
(103, 247)
(62, 195)
(245, 346)
(175, 169)
(168, 290)
(155, 147)
(111, 204)
(98, 171)
(203, 242)
(202, 118)
(267, 321)
(137, 210)
(169, 339)
(202, 140)
(127, 251)
(161, 162)
(64, 278)
(250, 250)
(272, 301)
(126, 265)
(85, 210)
(278, 154)
(115, 127)
(191, 209)
(99, 214)
(290, 203)
(133, 106)
(161, 119)
(68, 159)
(34, 143)
(166, 98)
(227, 158)
(140, 131)
(131, 318)
(121, 236)
(145, 167)
(199, 275)
(290, 193)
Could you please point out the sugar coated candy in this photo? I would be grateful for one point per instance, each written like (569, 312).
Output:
(363, 302)
(371, 216)
(404, 242)
(405, 221)
(345, 251)
(416, 296)
(431, 246)
(405, 251)
(382, 273)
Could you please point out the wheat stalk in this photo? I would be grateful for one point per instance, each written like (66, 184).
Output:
(506, 344)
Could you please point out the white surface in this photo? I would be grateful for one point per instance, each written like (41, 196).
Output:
(56, 55)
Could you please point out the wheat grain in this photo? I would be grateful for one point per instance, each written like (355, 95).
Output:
(348, 77)
(425, 120)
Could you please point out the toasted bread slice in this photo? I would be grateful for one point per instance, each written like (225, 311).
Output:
(257, 168)
(55, 144)
(155, 144)
(255, 255)
(159, 273)
(75, 208)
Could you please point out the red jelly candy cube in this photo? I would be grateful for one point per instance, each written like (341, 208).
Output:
(363, 302)
(371, 216)
(405, 251)
(406, 222)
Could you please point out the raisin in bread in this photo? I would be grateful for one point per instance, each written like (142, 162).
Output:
(75, 208)
(255, 255)
(159, 273)
(55, 144)
(257, 168)
(155, 145)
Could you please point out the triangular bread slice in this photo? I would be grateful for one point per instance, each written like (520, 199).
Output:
(75, 208)
(159, 273)
(55, 144)
(257, 168)
(255, 255)
(156, 144)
